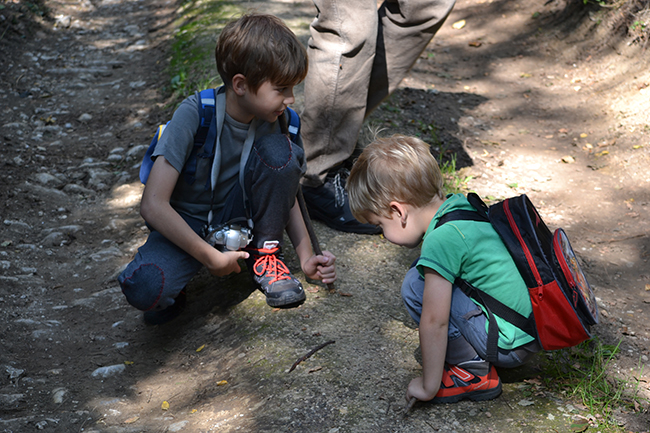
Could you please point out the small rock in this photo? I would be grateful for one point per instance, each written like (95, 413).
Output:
(108, 371)
(14, 373)
(177, 426)
(58, 394)
(48, 179)
(85, 117)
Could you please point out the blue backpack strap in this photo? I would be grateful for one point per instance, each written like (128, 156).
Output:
(207, 128)
(147, 161)
(293, 124)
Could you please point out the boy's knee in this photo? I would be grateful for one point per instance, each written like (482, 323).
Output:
(143, 286)
(277, 152)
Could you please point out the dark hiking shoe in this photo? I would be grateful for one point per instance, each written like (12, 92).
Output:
(329, 203)
(481, 383)
(153, 317)
(272, 277)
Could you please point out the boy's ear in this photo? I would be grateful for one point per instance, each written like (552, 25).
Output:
(239, 84)
(400, 211)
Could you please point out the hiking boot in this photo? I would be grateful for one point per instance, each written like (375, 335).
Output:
(329, 203)
(482, 383)
(273, 278)
(153, 317)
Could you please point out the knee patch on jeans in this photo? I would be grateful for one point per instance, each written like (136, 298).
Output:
(274, 151)
(144, 286)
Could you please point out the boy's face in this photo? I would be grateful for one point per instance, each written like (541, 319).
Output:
(406, 235)
(269, 102)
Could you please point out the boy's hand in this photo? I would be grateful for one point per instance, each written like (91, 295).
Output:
(416, 389)
(321, 267)
(225, 263)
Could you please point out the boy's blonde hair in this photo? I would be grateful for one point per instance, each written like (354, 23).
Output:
(262, 48)
(396, 168)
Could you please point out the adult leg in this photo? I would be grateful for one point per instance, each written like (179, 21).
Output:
(405, 29)
(341, 52)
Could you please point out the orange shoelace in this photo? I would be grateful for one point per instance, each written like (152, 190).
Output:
(270, 266)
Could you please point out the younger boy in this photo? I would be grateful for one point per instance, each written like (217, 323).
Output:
(396, 184)
(251, 179)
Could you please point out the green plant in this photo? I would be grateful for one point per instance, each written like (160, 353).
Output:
(585, 372)
(455, 182)
(432, 130)
(191, 66)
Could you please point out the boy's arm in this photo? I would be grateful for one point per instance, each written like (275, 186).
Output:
(315, 267)
(434, 324)
(158, 212)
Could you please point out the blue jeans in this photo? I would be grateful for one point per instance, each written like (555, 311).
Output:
(160, 269)
(467, 334)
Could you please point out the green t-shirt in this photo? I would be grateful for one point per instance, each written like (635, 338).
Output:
(473, 251)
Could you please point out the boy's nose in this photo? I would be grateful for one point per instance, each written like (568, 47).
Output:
(288, 97)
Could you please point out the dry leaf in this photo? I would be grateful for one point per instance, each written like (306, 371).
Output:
(222, 382)
(475, 44)
(164, 405)
(201, 348)
(647, 287)
(458, 25)
(315, 369)
(568, 159)
(132, 420)
(579, 425)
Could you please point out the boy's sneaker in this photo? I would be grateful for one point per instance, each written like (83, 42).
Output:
(153, 317)
(476, 381)
(273, 278)
(330, 204)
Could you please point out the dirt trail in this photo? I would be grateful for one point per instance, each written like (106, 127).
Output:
(526, 104)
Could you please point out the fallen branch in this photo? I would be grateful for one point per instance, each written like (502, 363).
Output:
(409, 406)
(311, 352)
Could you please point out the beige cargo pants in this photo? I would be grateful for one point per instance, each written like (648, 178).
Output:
(358, 54)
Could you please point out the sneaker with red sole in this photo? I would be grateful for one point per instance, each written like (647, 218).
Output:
(459, 383)
(273, 278)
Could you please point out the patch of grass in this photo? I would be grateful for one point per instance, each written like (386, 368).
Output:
(585, 372)
(192, 65)
(455, 180)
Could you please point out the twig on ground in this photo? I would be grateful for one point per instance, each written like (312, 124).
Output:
(409, 406)
(311, 352)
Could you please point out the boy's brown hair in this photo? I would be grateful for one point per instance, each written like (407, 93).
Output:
(397, 168)
(262, 48)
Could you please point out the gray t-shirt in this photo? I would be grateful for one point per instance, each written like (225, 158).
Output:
(176, 145)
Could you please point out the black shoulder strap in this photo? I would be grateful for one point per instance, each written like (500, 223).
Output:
(461, 215)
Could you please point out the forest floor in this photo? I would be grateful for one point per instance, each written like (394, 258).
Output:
(551, 100)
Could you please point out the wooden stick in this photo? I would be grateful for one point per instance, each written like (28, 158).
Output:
(310, 229)
(409, 406)
(311, 352)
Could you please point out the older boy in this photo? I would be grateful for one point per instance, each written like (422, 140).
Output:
(396, 184)
(251, 180)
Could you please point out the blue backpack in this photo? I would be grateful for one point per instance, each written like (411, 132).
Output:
(205, 136)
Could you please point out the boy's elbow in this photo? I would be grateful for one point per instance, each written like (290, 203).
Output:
(146, 210)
